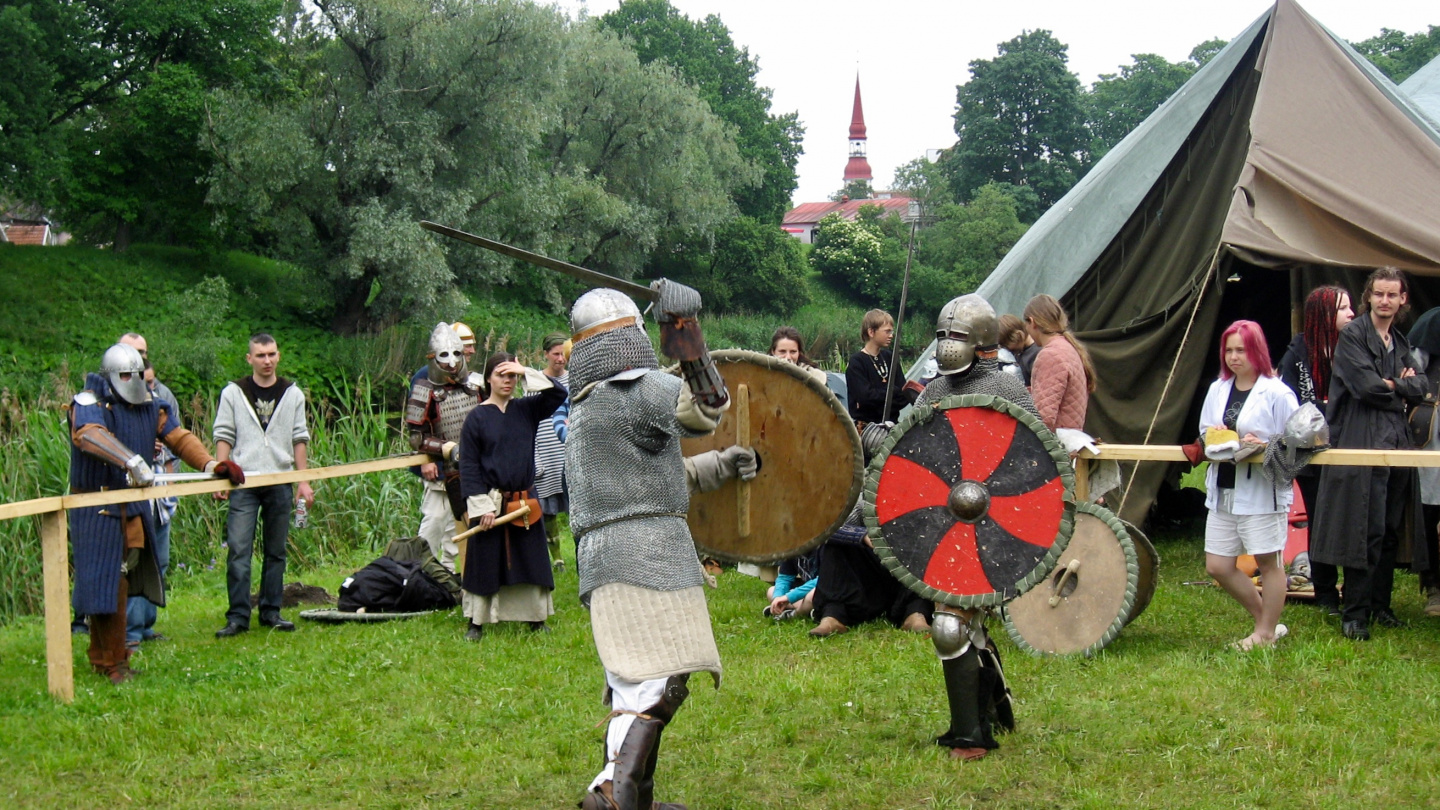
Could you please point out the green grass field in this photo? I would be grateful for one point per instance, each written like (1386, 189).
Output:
(408, 715)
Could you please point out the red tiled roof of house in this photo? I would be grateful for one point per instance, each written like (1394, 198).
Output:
(26, 234)
(806, 213)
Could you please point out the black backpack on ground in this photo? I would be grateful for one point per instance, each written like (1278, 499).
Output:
(392, 586)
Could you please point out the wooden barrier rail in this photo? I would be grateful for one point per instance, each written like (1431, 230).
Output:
(59, 654)
(1171, 452)
(55, 553)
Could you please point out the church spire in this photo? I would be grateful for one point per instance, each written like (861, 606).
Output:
(858, 168)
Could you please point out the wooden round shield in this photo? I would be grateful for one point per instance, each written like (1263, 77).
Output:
(969, 502)
(1149, 562)
(1087, 598)
(811, 465)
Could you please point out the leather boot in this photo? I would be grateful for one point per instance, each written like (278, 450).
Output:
(969, 734)
(634, 784)
(108, 654)
(1001, 710)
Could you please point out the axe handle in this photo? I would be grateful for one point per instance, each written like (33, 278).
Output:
(500, 521)
(742, 438)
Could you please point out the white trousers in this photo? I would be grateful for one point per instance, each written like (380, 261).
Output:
(627, 696)
(437, 525)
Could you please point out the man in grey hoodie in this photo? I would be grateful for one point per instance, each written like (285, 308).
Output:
(260, 423)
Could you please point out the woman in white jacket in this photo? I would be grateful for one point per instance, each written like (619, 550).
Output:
(1247, 512)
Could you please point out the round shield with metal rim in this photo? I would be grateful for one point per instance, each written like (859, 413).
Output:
(1149, 562)
(1086, 600)
(969, 502)
(811, 465)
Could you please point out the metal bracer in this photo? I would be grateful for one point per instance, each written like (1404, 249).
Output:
(94, 440)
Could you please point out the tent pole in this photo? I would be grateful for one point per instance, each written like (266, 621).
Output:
(1184, 339)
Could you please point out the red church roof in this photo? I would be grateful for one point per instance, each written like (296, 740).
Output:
(809, 213)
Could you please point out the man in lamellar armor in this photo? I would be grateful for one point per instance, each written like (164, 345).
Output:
(629, 495)
(114, 423)
(967, 345)
(439, 402)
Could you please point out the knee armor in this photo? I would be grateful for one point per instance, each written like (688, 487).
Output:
(950, 635)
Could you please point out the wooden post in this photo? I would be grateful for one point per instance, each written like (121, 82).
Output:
(59, 660)
(1082, 479)
(742, 438)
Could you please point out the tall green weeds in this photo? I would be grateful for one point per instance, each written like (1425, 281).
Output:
(361, 512)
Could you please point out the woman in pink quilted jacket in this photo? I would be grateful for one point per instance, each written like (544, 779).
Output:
(1062, 377)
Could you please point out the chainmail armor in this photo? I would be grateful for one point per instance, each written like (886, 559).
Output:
(453, 403)
(604, 355)
(985, 377)
(628, 496)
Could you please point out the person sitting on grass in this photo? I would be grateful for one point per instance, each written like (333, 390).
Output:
(1244, 408)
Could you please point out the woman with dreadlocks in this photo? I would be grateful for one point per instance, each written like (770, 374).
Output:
(1305, 367)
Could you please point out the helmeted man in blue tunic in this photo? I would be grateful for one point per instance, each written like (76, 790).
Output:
(114, 556)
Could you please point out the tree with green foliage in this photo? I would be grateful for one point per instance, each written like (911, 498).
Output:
(753, 267)
(1118, 102)
(1020, 120)
(723, 73)
(853, 190)
(99, 94)
(1398, 54)
(968, 241)
(849, 255)
(499, 118)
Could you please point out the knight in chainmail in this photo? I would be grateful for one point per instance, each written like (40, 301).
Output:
(434, 414)
(967, 335)
(629, 495)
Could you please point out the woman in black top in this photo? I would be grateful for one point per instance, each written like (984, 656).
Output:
(868, 375)
(1305, 367)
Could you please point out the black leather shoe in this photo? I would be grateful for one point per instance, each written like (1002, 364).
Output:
(539, 627)
(1330, 607)
(1386, 618)
(277, 623)
(231, 629)
(1356, 631)
(475, 633)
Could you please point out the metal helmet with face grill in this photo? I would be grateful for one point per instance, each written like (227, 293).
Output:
(125, 369)
(966, 324)
(447, 355)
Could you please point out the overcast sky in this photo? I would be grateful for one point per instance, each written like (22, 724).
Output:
(912, 53)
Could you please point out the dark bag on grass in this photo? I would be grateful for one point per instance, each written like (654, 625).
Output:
(391, 586)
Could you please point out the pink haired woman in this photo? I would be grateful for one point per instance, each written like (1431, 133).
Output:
(1247, 511)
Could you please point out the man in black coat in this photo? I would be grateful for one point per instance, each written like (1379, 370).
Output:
(1363, 511)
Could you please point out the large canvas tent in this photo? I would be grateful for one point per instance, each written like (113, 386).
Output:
(1286, 161)
(1423, 89)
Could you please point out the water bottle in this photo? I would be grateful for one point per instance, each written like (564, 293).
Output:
(302, 514)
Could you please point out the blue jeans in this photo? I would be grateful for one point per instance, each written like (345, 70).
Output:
(246, 507)
(140, 612)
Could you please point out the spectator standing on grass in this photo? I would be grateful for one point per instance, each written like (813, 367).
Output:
(1247, 511)
(1062, 377)
(550, 451)
(1015, 338)
(260, 423)
(867, 377)
(1362, 510)
(507, 575)
(1305, 367)
(1425, 338)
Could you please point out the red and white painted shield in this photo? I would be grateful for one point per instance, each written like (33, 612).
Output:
(970, 502)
